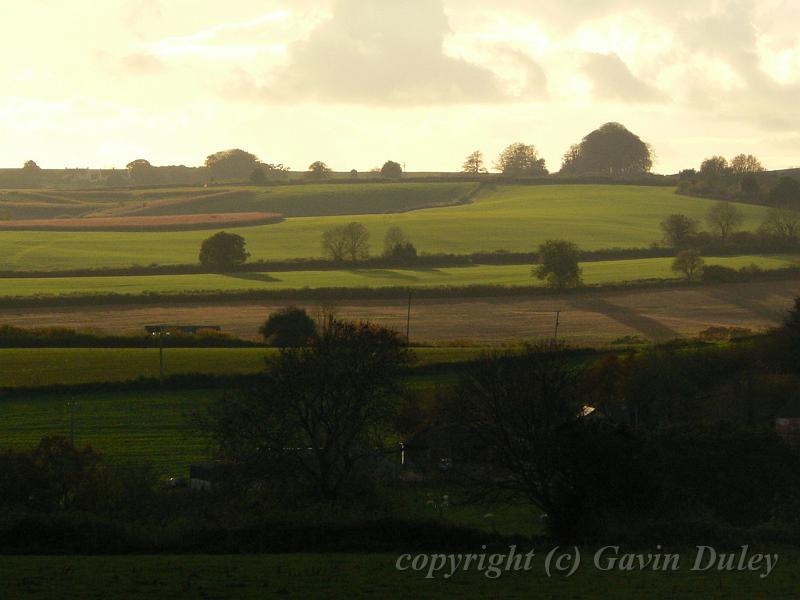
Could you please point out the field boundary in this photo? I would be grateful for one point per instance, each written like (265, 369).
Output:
(140, 223)
(380, 262)
(364, 293)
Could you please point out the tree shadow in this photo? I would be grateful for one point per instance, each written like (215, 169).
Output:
(266, 277)
(624, 315)
(748, 297)
(383, 274)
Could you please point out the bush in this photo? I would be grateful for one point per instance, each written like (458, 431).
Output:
(288, 327)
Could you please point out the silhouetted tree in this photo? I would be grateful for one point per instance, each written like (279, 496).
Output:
(391, 170)
(396, 246)
(678, 230)
(31, 166)
(231, 164)
(520, 160)
(745, 163)
(288, 327)
(611, 150)
(223, 250)
(474, 163)
(346, 242)
(321, 413)
(782, 224)
(689, 263)
(522, 415)
(714, 167)
(558, 264)
(140, 171)
(318, 170)
(724, 217)
(394, 237)
(258, 176)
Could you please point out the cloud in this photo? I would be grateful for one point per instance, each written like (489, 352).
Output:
(140, 63)
(382, 53)
(612, 80)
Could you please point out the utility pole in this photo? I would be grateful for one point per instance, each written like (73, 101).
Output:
(408, 318)
(555, 335)
(557, 313)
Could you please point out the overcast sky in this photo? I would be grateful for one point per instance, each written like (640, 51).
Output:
(425, 82)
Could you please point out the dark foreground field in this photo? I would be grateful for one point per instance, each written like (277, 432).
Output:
(305, 576)
(586, 319)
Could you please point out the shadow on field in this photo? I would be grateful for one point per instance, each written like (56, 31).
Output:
(253, 276)
(382, 273)
(624, 315)
(750, 298)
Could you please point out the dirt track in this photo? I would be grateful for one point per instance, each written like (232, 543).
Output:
(596, 319)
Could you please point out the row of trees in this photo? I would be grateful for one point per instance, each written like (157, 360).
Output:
(344, 243)
(724, 218)
(237, 164)
(350, 243)
(743, 177)
(610, 151)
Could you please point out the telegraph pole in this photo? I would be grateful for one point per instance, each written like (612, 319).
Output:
(555, 334)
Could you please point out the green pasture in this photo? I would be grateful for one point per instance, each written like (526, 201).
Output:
(303, 576)
(515, 218)
(595, 272)
(27, 367)
(137, 426)
(290, 200)
(152, 425)
(318, 199)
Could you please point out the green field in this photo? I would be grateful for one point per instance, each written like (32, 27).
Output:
(318, 199)
(595, 272)
(515, 218)
(154, 426)
(304, 576)
(25, 367)
(290, 200)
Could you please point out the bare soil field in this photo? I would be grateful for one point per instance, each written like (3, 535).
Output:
(139, 223)
(651, 315)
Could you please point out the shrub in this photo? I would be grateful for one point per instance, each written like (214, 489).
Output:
(288, 327)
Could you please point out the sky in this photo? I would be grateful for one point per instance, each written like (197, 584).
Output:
(422, 82)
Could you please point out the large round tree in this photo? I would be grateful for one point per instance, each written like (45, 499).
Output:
(611, 150)
(223, 250)
(233, 164)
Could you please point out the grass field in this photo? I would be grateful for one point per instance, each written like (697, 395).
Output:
(139, 223)
(515, 218)
(154, 426)
(25, 367)
(317, 199)
(510, 275)
(304, 576)
(291, 200)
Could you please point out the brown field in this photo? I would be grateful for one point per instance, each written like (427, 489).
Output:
(163, 222)
(652, 315)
